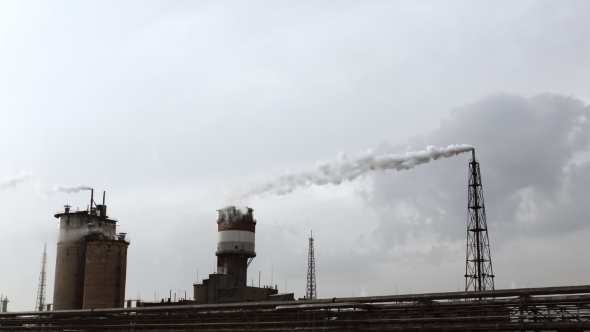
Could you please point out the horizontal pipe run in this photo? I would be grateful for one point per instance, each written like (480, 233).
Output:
(503, 293)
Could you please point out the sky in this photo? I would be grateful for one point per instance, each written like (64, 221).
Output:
(178, 108)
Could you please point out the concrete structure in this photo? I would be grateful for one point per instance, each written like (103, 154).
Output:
(282, 297)
(217, 290)
(105, 273)
(4, 304)
(78, 229)
(236, 230)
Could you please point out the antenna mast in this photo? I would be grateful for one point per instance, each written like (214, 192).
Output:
(479, 275)
(41, 291)
(311, 292)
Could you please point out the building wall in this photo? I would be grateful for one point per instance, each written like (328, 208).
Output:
(244, 294)
(105, 274)
(216, 289)
(236, 241)
(200, 293)
(236, 269)
(70, 261)
(69, 276)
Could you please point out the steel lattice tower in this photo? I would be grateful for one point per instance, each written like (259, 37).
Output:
(479, 275)
(41, 291)
(311, 292)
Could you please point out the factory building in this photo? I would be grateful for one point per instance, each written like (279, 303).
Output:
(236, 230)
(91, 260)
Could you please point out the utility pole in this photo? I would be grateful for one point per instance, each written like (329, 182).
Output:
(40, 306)
(311, 292)
(479, 275)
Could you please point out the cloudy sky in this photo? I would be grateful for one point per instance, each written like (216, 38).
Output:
(175, 108)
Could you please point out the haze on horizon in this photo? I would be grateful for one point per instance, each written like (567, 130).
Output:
(171, 107)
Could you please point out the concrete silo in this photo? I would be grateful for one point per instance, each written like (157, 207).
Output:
(105, 272)
(73, 268)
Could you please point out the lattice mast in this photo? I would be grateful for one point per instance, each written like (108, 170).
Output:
(311, 292)
(40, 306)
(479, 275)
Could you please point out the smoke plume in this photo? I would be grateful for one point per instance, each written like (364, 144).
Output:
(68, 189)
(350, 169)
(23, 177)
(11, 182)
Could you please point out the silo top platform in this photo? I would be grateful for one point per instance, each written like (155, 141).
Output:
(67, 211)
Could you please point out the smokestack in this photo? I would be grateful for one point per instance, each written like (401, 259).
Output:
(91, 199)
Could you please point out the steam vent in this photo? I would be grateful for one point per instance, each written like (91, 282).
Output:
(91, 263)
(236, 229)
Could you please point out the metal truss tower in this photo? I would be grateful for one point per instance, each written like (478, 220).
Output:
(479, 275)
(40, 306)
(311, 292)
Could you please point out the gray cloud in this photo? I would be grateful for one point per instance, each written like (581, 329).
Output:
(526, 148)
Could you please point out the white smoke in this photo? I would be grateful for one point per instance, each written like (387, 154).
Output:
(23, 177)
(11, 182)
(363, 292)
(350, 169)
(243, 209)
(67, 189)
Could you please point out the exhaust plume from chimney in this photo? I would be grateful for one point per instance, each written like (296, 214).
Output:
(11, 182)
(68, 189)
(350, 169)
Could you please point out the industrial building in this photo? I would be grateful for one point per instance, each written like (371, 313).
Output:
(91, 260)
(236, 234)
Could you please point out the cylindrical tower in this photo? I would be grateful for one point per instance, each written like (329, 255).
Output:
(70, 259)
(74, 227)
(106, 269)
(235, 244)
